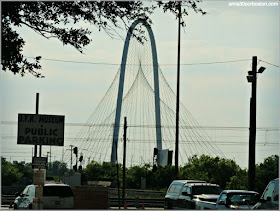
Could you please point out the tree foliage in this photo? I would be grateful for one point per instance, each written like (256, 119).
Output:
(266, 171)
(10, 174)
(58, 20)
(106, 171)
(221, 171)
(56, 169)
(215, 170)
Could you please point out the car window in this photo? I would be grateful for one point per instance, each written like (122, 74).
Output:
(196, 190)
(61, 191)
(178, 188)
(223, 198)
(242, 198)
(276, 191)
(189, 190)
(25, 190)
(269, 191)
(184, 189)
(171, 189)
(29, 191)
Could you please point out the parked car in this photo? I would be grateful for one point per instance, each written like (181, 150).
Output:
(270, 197)
(183, 193)
(55, 196)
(203, 193)
(237, 199)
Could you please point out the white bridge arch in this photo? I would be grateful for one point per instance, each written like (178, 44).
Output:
(121, 85)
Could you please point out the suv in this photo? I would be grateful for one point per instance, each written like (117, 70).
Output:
(199, 195)
(55, 196)
(270, 197)
(175, 190)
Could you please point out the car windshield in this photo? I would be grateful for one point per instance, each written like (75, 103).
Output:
(61, 191)
(242, 199)
(197, 190)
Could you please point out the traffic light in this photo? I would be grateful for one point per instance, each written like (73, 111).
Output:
(75, 168)
(80, 168)
(76, 151)
(170, 153)
(81, 158)
(155, 151)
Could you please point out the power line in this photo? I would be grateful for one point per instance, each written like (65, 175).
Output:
(162, 126)
(268, 63)
(107, 63)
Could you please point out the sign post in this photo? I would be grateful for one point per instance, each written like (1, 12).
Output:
(38, 129)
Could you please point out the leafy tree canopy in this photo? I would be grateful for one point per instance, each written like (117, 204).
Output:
(56, 19)
(10, 174)
(211, 169)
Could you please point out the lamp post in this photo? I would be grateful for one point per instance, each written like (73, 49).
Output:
(252, 78)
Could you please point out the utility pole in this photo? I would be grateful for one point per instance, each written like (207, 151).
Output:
(71, 146)
(50, 153)
(124, 156)
(252, 78)
(178, 96)
(37, 112)
(118, 181)
(252, 135)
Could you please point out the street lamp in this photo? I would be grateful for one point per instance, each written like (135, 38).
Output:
(252, 78)
(261, 69)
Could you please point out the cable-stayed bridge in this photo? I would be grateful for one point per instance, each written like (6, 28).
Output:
(141, 93)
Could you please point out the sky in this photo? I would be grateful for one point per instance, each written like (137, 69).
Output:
(217, 95)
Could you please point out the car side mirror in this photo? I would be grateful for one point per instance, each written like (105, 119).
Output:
(17, 194)
(222, 203)
(228, 202)
(268, 198)
(187, 194)
(262, 200)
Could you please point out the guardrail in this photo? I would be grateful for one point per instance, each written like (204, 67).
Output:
(136, 202)
(6, 199)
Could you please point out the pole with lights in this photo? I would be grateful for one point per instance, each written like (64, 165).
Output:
(252, 78)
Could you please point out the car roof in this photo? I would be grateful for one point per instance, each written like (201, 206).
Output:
(202, 184)
(239, 191)
(52, 184)
(188, 181)
(55, 184)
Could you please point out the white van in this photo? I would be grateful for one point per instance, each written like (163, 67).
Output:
(55, 196)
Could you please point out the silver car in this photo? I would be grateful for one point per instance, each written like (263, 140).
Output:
(55, 196)
(237, 199)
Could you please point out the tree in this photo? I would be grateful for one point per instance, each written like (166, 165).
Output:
(238, 181)
(106, 171)
(26, 169)
(53, 19)
(10, 174)
(214, 170)
(134, 174)
(56, 169)
(266, 171)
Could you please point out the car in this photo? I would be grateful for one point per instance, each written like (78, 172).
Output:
(55, 196)
(198, 195)
(237, 199)
(270, 197)
(175, 190)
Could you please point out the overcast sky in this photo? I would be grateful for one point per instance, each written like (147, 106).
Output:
(215, 94)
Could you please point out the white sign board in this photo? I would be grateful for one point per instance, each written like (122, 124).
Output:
(39, 129)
